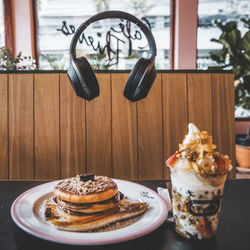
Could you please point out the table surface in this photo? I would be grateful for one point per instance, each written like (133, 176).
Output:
(233, 230)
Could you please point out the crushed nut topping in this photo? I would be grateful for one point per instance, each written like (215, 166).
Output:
(75, 185)
(200, 151)
(198, 148)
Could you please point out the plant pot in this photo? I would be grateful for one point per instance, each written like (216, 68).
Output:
(241, 125)
(243, 151)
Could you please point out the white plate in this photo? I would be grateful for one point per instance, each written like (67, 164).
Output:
(27, 214)
(243, 170)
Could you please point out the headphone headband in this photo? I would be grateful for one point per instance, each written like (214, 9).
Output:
(114, 14)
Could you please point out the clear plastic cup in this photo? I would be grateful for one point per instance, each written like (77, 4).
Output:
(196, 202)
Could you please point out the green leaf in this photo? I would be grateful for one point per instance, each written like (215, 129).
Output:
(227, 46)
(247, 55)
(236, 72)
(215, 40)
(246, 82)
(234, 39)
(217, 56)
(246, 42)
(246, 102)
(230, 26)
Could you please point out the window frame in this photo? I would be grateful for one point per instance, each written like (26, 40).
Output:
(34, 31)
(9, 26)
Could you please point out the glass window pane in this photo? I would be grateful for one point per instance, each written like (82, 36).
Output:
(58, 19)
(2, 33)
(210, 11)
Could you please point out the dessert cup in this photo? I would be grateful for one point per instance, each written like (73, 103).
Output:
(196, 203)
(198, 174)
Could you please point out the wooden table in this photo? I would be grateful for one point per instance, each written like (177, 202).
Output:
(233, 230)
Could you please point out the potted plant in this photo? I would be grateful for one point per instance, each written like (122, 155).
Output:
(8, 62)
(243, 149)
(235, 55)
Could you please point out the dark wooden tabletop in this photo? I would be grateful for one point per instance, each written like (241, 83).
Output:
(233, 230)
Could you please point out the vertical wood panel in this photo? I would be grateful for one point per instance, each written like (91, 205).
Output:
(98, 122)
(200, 101)
(72, 125)
(223, 113)
(124, 129)
(47, 159)
(4, 172)
(150, 141)
(106, 135)
(174, 113)
(21, 132)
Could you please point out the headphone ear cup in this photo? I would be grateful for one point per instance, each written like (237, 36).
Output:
(83, 79)
(140, 80)
(131, 85)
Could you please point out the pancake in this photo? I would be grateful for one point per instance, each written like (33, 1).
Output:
(80, 223)
(86, 189)
(90, 207)
(89, 203)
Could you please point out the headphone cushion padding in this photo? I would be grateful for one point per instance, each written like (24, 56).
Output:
(134, 70)
(136, 77)
(75, 82)
(141, 72)
(86, 77)
(131, 85)
(86, 71)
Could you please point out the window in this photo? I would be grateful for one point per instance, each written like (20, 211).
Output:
(166, 21)
(151, 21)
(221, 10)
(2, 33)
(58, 20)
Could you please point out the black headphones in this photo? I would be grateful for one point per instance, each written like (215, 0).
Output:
(141, 78)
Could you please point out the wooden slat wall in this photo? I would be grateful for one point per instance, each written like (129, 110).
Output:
(124, 131)
(98, 122)
(47, 132)
(175, 115)
(21, 129)
(72, 130)
(4, 170)
(47, 129)
(150, 139)
(223, 113)
(200, 101)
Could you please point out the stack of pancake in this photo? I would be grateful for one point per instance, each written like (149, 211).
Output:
(89, 202)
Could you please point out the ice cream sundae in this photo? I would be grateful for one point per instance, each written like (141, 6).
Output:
(198, 174)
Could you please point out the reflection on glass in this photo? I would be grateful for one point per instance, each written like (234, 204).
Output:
(58, 20)
(2, 33)
(223, 11)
